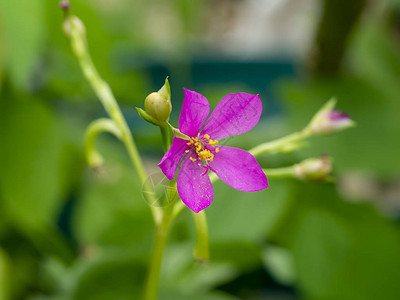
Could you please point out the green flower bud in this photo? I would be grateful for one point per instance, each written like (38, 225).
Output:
(314, 169)
(157, 106)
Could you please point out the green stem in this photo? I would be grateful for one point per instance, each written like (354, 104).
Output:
(160, 241)
(166, 137)
(201, 251)
(104, 93)
(93, 157)
(279, 173)
(284, 144)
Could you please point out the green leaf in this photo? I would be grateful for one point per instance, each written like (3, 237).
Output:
(112, 210)
(4, 276)
(249, 217)
(39, 166)
(181, 274)
(342, 250)
(25, 33)
(112, 276)
(280, 262)
(38, 163)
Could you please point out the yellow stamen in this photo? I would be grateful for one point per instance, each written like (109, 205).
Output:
(205, 155)
(199, 146)
(213, 143)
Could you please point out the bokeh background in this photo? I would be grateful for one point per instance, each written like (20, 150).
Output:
(67, 232)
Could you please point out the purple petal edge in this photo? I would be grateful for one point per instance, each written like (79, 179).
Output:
(172, 158)
(239, 169)
(195, 110)
(235, 114)
(194, 188)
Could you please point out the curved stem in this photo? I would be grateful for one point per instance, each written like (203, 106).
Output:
(106, 97)
(93, 157)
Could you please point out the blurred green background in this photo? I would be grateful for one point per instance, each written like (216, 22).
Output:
(67, 232)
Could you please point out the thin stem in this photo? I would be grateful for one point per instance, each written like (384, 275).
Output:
(106, 97)
(287, 172)
(93, 157)
(284, 144)
(201, 251)
(160, 241)
(166, 137)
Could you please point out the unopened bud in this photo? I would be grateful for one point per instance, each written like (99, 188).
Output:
(314, 169)
(64, 5)
(328, 120)
(157, 106)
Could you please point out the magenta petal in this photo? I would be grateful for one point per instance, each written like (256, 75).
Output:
(195, 110)
(239, 169)
(235, 114)
(172, 158)
(194, 186)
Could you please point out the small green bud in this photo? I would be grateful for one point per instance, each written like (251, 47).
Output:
(314, 169)
(157, 106)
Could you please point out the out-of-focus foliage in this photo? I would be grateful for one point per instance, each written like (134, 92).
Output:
(71, 233)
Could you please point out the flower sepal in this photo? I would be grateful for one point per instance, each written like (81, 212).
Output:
(145, 116)
(179, 134)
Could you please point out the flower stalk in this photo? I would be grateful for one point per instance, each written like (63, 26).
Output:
(325, 121)
(166, 137)
(160, 241)
(285, 144)
(311, 170)
(200, 143)
(280, 173)
(75, 30)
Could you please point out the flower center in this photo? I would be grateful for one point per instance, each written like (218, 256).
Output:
(199, 145)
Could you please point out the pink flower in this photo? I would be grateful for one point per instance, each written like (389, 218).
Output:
(235, 114)
(327, 120)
